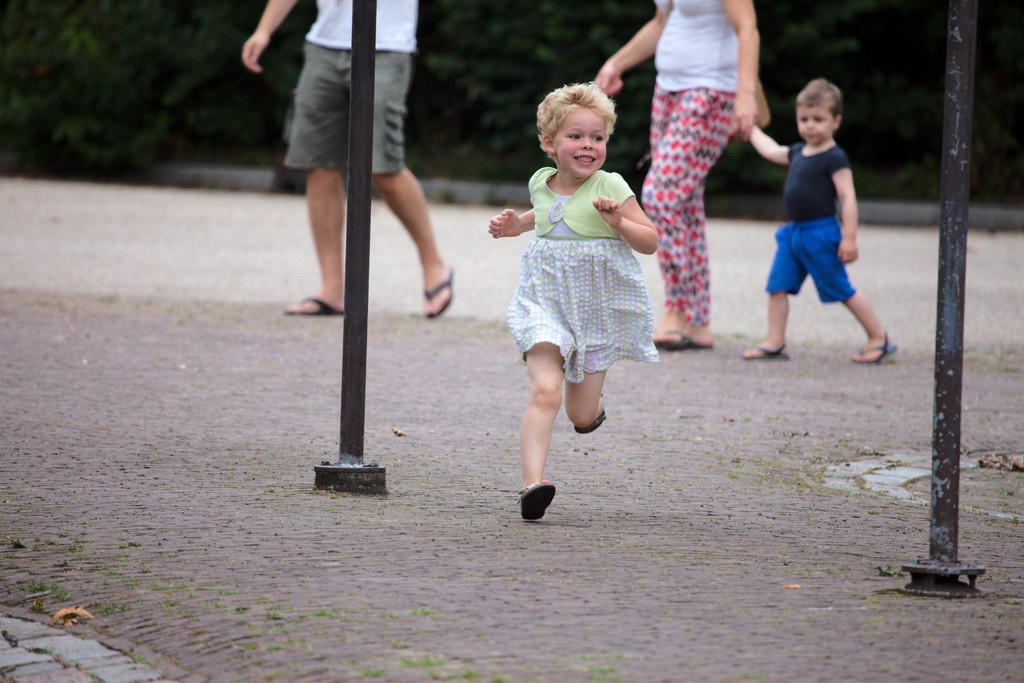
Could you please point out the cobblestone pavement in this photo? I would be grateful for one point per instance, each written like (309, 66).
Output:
(157, 451)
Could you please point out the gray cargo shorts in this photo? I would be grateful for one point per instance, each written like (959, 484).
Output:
(316, 128)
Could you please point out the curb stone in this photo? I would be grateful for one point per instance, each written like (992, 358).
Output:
(32, 652)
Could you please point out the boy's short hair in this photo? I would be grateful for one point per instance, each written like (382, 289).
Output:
(821, 93)
(556, 106)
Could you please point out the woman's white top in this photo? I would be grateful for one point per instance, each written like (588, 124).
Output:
(697, 48)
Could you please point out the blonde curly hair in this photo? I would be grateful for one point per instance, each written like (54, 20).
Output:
(556, 106)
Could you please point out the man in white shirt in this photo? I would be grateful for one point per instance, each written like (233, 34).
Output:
(317, 137)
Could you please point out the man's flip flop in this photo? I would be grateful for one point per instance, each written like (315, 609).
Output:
(322, 308)
(767, 354)
(535, 498)
(447, 284)
(886, 348)
(682, 343)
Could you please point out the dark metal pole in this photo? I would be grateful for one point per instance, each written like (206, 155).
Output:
(350, 473)
(939, 574)
(357, 244)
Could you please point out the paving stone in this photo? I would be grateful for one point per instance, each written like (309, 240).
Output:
(58, 674)
(68, 648)
(18, 656)
(910, 473)
(884, 478)
(842, 485)
(20, 629)
(125, 673)
(37, 667)
(854, 469)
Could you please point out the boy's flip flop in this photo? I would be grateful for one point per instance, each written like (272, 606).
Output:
(535, 498)
(886, 348)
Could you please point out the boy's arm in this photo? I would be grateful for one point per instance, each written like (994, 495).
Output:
(843, 180)
(768, 148)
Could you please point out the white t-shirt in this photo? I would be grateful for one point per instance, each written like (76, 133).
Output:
(697, 48)
(396, 25)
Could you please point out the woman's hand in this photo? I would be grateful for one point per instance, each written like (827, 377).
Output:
(609, 79)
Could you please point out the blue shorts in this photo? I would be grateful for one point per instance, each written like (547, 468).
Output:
(810, 248)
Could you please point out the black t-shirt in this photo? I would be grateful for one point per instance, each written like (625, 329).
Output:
(809, 192)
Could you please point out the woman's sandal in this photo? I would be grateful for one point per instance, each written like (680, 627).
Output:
(535, 498)
(762, 353)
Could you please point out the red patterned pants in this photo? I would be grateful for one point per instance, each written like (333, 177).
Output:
(689, 130)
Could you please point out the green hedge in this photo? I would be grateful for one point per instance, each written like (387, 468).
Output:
(100, 86)
(96, 86)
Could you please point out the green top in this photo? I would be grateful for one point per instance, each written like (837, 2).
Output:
(579, 213)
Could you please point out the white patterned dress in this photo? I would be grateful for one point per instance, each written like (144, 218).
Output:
(588, 297)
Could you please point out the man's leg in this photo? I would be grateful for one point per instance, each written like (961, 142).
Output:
(325, 202)
(404, 196)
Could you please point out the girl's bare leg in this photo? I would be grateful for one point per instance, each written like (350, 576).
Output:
(583, 400)
(544, 363)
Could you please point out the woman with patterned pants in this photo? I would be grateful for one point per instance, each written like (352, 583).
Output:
(705, 53)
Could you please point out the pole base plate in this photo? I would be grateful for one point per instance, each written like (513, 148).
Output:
(367, 480)
(942, 580)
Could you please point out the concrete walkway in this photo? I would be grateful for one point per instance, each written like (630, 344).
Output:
(255, 248)
(161, 419)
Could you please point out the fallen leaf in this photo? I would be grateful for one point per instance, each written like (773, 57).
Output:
(397, 431)
(37, 606)
(1008, 462)
(792, 585)
(70, 615)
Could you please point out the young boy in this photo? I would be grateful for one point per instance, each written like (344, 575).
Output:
(814, 243)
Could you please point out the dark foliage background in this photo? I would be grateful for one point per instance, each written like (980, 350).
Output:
(104, 87)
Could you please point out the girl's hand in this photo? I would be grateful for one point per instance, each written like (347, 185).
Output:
(610, 210)
(505, 224)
